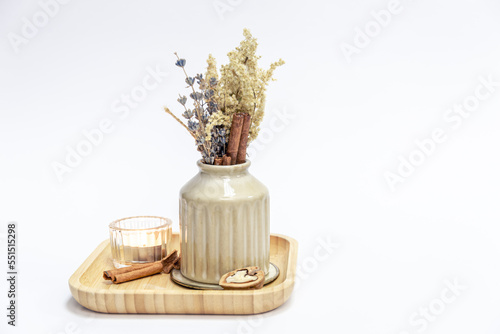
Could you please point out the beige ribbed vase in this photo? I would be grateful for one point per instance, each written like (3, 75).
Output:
(224, 222)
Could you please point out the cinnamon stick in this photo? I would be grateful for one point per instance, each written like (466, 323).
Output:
(242, 149)
(110, 274)
(177, 264)
(154, 268)
(169, 262)
(234, 136)
(226, 160)
(142, 270)
(218, 161)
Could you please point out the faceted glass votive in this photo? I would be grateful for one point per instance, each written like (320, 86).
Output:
(139, 240)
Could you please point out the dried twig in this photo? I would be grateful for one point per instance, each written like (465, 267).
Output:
(178, 120)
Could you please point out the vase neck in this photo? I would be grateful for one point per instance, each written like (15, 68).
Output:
(224, 170)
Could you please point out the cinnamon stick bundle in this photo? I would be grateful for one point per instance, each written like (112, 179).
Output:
(235, 136)
(226, 160)
(142, 270)
(242, 149)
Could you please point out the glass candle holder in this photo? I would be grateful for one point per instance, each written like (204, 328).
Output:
(139, 240)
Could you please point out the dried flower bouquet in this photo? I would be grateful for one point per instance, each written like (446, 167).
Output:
(228, 108)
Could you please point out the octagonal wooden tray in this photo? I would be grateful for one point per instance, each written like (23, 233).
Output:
(158, 294)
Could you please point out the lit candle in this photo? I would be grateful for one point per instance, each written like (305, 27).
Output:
(139, 239)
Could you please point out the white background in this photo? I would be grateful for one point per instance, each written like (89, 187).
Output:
(349, 121)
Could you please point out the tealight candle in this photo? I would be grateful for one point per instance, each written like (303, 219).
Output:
(139, 239)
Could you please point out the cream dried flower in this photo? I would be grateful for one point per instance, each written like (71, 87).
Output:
(241, 86)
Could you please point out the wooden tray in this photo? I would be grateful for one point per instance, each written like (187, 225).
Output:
(158, 294)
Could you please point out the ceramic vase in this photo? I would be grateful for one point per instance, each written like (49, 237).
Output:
(224, 222)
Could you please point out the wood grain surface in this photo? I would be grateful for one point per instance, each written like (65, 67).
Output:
(158, 294)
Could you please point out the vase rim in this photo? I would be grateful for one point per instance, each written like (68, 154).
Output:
(221, 169)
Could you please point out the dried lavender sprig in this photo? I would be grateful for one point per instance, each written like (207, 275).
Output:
(181, 65)
(199, 106)
(219, 141)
